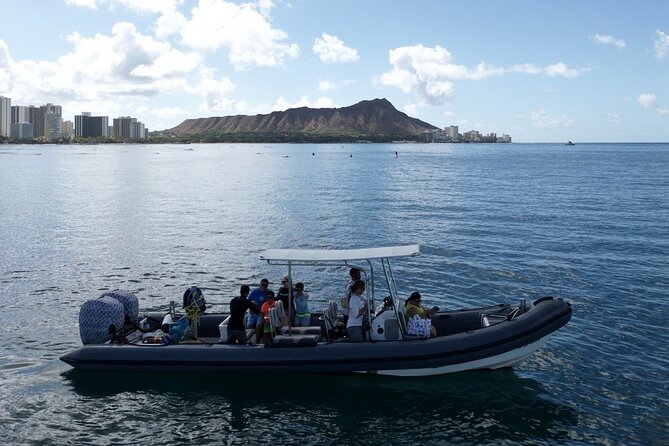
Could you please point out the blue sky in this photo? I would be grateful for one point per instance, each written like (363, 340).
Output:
(541, 71)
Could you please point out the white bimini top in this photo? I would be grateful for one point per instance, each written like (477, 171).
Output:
(338, 255)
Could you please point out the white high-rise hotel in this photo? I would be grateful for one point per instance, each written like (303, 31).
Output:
(5, 116)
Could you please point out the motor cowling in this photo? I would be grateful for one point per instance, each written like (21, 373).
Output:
(194, 295)
(128, 300)
(99, 319)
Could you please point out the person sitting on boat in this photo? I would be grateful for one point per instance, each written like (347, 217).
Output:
(355, 276)
(238, 307)
(283, 294)
(267, 326)
(258, 296)
(413, 307)
(357, 311)
(302, 314)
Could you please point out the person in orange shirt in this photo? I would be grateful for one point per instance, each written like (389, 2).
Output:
(267, 327)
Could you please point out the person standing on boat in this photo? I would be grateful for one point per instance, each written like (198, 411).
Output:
(258, 297)
(355, 276)
(267, 326)
(302, 316)
(357, 311)
(413, 307)
(283, 294)
(238, 307)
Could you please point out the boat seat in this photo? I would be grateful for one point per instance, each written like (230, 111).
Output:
(334, 328)
(330, 315)
(291, 339)
(403, 325)
(281, 323)
(295, 340)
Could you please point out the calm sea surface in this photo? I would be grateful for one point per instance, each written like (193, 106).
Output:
(496, 223)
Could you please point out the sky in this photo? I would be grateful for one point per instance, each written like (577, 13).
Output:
(540, 71)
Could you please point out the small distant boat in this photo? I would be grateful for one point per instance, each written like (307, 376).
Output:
(569, 143)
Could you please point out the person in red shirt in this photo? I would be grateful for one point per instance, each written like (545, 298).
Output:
(267, 328)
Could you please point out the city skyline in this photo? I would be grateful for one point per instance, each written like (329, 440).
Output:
(44, 122)
(541, 71)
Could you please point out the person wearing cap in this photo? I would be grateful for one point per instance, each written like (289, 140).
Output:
(238, 307)
(413, 307)
(258, 297)
(267, 326)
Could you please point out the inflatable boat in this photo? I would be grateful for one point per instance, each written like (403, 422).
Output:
(491, 337)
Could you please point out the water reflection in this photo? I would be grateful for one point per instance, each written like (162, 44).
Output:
(362, 409)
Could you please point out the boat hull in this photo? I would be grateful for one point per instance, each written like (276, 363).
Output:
(501, 345)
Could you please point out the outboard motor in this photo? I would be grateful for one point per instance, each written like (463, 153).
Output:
(100, 319)
(194, 295)
(129, 302)
(194, 305)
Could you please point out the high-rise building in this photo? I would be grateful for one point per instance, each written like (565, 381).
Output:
(122, 127)
(86, 126)
(452, 133)
(68, 129)
(47, 121)
(126, 127)
(20, 113)
(5, 116)
(22, 130)
(53, 125)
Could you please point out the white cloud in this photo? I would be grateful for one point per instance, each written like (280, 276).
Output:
(557, 69)
(166, 112)
(427, 71)
(100, 69)
(661, 44)
(92, 4)
(560, 69)
(411, 110)
(332, 50)
(609, 40)
(241, 29)
(6, 63)
(244, 29)
(125, 56)
(648, 100)
(326, 86)
(430, 73)
(154, 6)
(543, 120)
(284, 104)
(215, 92)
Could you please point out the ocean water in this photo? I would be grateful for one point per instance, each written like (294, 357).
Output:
(496, 223)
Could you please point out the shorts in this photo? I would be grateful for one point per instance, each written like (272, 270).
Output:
(303, 321)
(267, 328)
(254, 320)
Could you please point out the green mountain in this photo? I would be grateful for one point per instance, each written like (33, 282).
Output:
(375, 119)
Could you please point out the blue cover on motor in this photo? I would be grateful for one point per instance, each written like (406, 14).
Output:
(194, 295)
(129, 302)
(96, 316)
